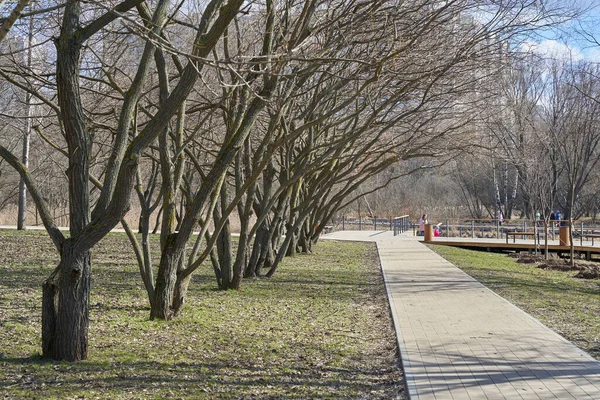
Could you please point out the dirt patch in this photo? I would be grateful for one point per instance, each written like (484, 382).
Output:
(585, 269)
(589, 272)
(528, 259)
(559, 265)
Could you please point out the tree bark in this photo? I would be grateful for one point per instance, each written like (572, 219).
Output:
(22, 212)
(304, 244)
(225, 258)
(8, 23)
(166, 277)
(260, 251)
(181, 287)
(65, 306)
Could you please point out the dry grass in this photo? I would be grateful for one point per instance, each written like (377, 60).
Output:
(319, 329)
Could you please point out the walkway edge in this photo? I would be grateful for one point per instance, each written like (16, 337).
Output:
(519, 309)
(455, 341)
(408, 377)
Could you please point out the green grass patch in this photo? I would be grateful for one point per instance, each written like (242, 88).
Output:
(568, 305)
(320, 328)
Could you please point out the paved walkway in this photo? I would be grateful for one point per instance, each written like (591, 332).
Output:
(459, 340)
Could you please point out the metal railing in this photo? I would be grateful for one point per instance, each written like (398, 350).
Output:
(471, 228)
(396, 224)
(401, 224)
(493, 229)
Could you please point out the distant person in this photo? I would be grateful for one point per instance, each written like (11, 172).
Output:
(500, 218)
(436, 231)
(538, 216)
(422, 223)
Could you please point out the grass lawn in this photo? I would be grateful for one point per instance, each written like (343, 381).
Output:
(319, 329)
(568, 305)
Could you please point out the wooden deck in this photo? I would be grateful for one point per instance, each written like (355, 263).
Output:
(500, 245)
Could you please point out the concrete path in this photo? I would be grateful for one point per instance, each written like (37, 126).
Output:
(460, 340)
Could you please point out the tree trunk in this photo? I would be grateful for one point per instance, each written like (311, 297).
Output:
(166, 278)
(571, 243)
(569, 218)
(241, 259)
(546, 256)
(157, 223)
(289, 237)
(225, 258)
(65, 307)
(290, 250)
(260, 250)
(257, 248)
(304, 243)
(181, 287)
(22, 212)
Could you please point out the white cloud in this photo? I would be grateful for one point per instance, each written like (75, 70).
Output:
(553, 49)
(592, 54)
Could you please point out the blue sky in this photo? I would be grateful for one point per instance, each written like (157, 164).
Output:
(575, 39)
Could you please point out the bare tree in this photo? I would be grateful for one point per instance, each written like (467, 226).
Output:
(510, 122)
(7, 23)
(572, 125)
(66, 291)
(22, 211)
(329, 94)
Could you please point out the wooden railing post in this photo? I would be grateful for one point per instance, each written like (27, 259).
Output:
(563, 236)
(428, 232)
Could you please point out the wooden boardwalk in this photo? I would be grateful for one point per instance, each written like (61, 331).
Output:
(587, 249)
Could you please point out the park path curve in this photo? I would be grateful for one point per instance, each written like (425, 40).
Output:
(459, 340)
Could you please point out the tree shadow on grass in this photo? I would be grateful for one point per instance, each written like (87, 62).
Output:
(213, 378)
(22, 277)
(425, 282)
(543, 284)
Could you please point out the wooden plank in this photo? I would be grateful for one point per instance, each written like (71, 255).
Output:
(509, 246)
(514, 234)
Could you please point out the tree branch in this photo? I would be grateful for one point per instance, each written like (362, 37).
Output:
(100, 22)
(8, 23)
(55, 234)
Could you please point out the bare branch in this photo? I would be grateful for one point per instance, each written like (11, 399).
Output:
(55, 234)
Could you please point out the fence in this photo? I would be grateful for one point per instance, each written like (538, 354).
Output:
(469, 228)
(396, 224)
(492, 229)
(401, 224)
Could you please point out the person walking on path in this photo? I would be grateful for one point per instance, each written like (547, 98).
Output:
(422, 223)
(500, 218)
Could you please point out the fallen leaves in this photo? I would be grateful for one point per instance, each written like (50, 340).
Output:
(320, 328)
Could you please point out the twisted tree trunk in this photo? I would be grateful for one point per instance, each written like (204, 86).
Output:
(65, 306)
(164, 290)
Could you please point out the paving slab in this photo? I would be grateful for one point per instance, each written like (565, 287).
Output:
(459, 340)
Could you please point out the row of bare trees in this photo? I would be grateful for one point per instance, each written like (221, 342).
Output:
(272, 112)
(542, 138)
